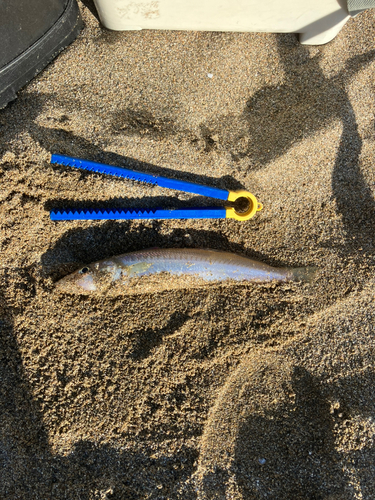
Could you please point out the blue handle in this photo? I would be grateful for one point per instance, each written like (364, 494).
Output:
(184, 213)
(188, 187)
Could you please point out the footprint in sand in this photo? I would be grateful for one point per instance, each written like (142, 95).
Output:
(289, 424)
(270, 435)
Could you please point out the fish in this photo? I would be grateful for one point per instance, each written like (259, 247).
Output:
(174, 267)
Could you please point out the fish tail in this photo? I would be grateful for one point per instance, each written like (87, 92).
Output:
(306, 274)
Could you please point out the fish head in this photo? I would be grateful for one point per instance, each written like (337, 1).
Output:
(81, 281)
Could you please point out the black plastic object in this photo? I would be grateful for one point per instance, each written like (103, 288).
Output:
(32, 33)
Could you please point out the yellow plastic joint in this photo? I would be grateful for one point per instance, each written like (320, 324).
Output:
(254, 206)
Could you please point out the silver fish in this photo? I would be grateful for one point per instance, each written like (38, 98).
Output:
(187, 265)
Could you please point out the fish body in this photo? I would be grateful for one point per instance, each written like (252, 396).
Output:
(188, 264)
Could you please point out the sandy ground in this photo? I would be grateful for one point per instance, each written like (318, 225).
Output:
(222, 392)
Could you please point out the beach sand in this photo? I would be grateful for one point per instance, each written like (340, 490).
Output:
(238, 391)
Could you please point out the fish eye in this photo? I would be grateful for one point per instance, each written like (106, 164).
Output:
(84, 270)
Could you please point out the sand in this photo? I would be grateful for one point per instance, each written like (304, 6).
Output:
(236, 391)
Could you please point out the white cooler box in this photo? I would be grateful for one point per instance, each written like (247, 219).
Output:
(316, 21)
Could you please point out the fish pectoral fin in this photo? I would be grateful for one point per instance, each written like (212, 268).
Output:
(139, 268)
